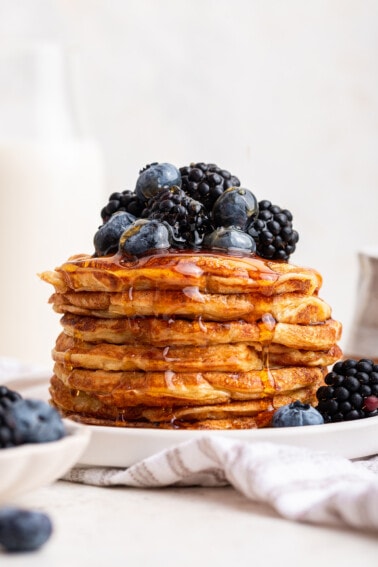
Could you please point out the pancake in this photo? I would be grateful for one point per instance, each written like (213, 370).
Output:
(207, 272)
(233, 357)
(87, 408)
(191, 303)
(161, 332)
(184, 339)
(129, 389)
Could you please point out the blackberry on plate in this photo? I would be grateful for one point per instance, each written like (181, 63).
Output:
(126, 201)
(273, 232)
(23, 530)
(205, 182)
(187, 218)
(296, 414)
(351, 391)
(143, 236)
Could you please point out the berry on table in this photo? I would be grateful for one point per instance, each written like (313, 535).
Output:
(351, 391)
(23, 530)
(273, 232)
(155, 177)
(296, 414)
(205, 182)
(144, 235)
(236, 207)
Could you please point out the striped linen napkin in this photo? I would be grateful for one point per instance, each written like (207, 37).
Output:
(298, 483)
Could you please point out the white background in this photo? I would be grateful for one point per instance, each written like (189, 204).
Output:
(283, 93)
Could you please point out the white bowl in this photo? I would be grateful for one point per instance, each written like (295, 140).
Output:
(30, 466)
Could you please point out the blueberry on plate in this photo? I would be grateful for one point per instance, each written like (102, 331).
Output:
(34, 421)
(235, 207)
(155, 177)
(23, 530)
(107, 237)
(144, 235)
(229, 238)
(295, 414)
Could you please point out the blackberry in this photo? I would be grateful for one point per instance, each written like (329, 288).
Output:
(188, 219)
(351, 391)
(124, 201)
(8, 435)
(147, 166)
(273, 232)
(205, 182)
(8, 397)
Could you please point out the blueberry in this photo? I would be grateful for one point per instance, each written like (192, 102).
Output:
(106, 239)
(35, 421)
(236, 207)
(229, 239)
(23, 530)
(156, 177)
(296, 413)
(144, 235)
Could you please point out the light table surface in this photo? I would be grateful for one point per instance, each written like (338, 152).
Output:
(180, 527)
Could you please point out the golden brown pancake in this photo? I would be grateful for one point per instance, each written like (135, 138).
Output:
(161, 332)
(232, 357)
(190, 303)
(87, 406)
(187, 340)
(209, 273)
(196, 388)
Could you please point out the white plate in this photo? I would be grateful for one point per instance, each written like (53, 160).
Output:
(33, 465)
(122, 447)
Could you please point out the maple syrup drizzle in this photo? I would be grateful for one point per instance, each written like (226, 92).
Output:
(185, 262)
(188, 263)
(266, 334)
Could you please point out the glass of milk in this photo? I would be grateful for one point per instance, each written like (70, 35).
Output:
(51, 193)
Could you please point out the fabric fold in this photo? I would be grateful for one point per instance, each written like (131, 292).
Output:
(298, 483)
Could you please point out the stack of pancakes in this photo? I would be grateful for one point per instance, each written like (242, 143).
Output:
(186, 339)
